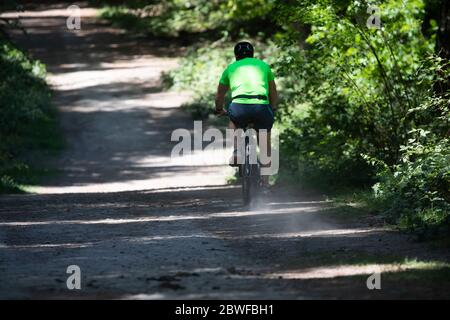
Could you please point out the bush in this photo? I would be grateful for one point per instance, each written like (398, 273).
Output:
(416, 192)
(27, 118)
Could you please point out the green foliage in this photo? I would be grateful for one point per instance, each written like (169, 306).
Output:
(358, 83)
(173, 17)
(366, 92)
(27, 119)
(417, 192)
(198, 73)
(20, 73)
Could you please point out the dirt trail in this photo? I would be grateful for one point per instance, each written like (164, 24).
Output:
(142, 226)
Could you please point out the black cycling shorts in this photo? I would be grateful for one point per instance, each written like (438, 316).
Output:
(261, 115)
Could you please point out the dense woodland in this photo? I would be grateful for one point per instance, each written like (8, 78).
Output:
(364, 89)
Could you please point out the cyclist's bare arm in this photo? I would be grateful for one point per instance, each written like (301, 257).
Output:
(220, 97)
(273, 94)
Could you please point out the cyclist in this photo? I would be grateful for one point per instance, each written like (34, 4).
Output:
(253, 95)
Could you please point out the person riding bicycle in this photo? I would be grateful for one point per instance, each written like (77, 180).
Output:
(253, 95)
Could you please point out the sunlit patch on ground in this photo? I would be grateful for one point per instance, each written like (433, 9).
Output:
(353, 270)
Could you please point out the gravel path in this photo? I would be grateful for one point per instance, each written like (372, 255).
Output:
(141, 226)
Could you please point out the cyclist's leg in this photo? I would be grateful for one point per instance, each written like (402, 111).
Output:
(264, 119)
(234, 160)
(238, 120)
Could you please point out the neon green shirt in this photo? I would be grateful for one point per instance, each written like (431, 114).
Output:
(248, 76)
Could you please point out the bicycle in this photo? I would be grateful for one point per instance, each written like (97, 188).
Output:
(250, 173)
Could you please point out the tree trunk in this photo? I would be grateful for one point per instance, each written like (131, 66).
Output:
(443, 41)
(443, 33)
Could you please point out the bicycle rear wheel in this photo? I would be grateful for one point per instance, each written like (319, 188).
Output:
(249, 174)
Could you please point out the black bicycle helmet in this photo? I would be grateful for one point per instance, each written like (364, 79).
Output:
(243, 50)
